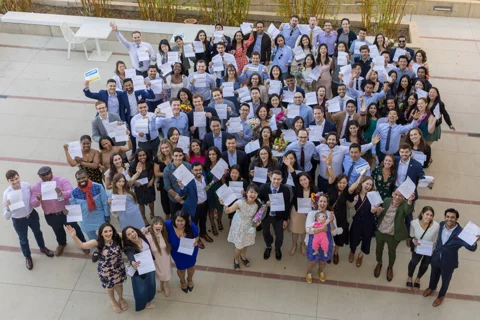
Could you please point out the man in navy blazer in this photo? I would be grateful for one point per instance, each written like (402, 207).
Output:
(445, 255)
(319, 116)
(111, 97)
(217, 137)
(233, 156)
(196, 204)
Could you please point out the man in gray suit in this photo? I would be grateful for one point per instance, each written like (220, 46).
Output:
(103, 117)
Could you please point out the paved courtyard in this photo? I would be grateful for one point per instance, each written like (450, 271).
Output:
(42, 107)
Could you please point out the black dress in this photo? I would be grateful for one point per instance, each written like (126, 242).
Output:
(144, 193)
(160, 187)
(338, 204)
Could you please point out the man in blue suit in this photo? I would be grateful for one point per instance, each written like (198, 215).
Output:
(196, 204)
(111, 97)
(445, 255)
(129, 98)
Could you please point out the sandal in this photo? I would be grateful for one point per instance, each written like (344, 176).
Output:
(220, 224)
(416, 286)
(214, 229)
(409, 286)
(150, 306)
(245, 261)
(293, 250)
(166, 292)
(152, 215)
(123, 305)
(116, 307)
(236, 266)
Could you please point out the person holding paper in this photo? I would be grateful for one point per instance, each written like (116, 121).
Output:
(116, 166)
(437, 108)
(144, 286)
(163, 158)
(290, 87)
(93, 201)
(160, 96)
(130, 215)
(290, 31)
(304, 150)
(111, 268)
(445, 255)
(405, 167)
(102, 120)
(303, 74)
(363, 60)
(180, 229)
(391, 230)
(419, 60)
(305, 111)
(16, 205)
(320, 206)
(255, 67)
(196, 204)
(206, 54)
(325, 63)
(53, 207)
(206, 79)
(423, 74)
(420, 148)
(135, 48)
(304, 187)
(265, 119)
(384, 176)
(277, 219)
(217, 137)
(345, 33)
(108, 147)
(199, 106)
(171, 182)
(240, 233)
(219, 100)
(163, 50)
(261, 44)
(226, 39)
(233, 156)
(177, 80)
(426, 229)
(185, 61)
(143, 184)
(381, 43)
(225, 59)
(426, 121)
(359, 42)
(111, 97)
(158, 240)
(282, 55)
(246, 134)
(402, 44)
(324, 126)
(264, 159)
(255, 81)
(368, 95)
(90, 160)
(343, 117)
(179, 120)
(146, 136)
(119, 74)
(354, 165)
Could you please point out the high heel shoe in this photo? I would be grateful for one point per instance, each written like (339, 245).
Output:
(186, 289)
(190, 287)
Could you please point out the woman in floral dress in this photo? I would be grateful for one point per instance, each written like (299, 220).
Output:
(239, 49)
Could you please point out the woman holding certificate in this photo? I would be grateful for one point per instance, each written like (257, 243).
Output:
(422, 229)
(123, 203)
(214, 206)
(242, 231)
(111, 268)
(143, 280)
(183, 237)
(143, 185)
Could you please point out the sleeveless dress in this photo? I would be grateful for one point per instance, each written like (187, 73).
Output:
(93, 174)
(111, 268)
(163, 264)
(241, 223)
(131, 216)
(182, 261)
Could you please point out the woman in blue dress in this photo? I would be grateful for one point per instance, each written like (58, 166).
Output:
(131, 216)
(177, 228)
(330, 228)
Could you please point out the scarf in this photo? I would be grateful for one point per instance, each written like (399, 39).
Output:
(88, 193)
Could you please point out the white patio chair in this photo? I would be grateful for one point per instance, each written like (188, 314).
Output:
(71, 39)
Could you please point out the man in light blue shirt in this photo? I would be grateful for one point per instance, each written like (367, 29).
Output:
(283, 55)
(255, 66)
(206, 80)
(353, 162)
(327, 36)
(245, 136)
(179, 120)
(290, 31)
(391, 134)
(304, 150)
(368, 95)
(356, 44)
(305, 111)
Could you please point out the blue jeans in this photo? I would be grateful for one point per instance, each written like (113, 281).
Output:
(92, 235)
(21, 227)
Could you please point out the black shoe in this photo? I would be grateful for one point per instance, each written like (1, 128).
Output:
(29, 263)
(278, 254)
(95, 257)
(266, 254)
(259, 228)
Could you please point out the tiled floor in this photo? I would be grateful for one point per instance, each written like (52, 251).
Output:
(42, 107)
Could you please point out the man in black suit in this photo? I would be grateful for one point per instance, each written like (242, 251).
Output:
(278, 219)
(233, 156)
(445, 255)
(320, 121)
(216, 137)
(199, 133)
(261, 44)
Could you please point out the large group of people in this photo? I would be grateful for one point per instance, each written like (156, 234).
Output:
(302, 127)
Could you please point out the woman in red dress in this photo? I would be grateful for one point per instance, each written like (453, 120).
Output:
(239, 49)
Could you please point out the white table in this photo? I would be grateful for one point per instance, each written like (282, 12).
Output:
(96, 31)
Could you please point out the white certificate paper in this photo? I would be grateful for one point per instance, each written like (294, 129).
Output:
(219, 169)
(304, 205)
(199, 119)
(276, 202)
(260, 174)
(186, 246)
(226, 194)
(75, 149)
(146, 262)
(252, 146)
(293, 111)
(374, 198)
(183, 174)
(119, 203)
(311, 98)
(424, 247)
(16, 199)
(74, 213)
(407, 188)
(470, 233)
(237, 188)
(48, 190)
(234, 125)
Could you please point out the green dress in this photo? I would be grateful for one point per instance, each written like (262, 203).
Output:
(383, 187)
(368, 134)
(213, 202)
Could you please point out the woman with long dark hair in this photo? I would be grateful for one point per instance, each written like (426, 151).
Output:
(239, 49)
(414, 138)
(158, 240)
(163, 49)
(369, 129)
(341, 47)
(206, 55)
(116, 166)
(264, 159)
(119, 74)
(326, 64)
(181, 227)
(436, 106)
(145, 191)
(111, 268)
(162, 160)
(384, 176)
(143, 285)
(214, 206)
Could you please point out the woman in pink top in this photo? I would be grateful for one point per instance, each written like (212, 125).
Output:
(239, 49)
(196, 152)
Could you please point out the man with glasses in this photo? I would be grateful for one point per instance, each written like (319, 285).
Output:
(402, 44)
(304, 150)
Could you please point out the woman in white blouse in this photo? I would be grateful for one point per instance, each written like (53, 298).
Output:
(177, 80)
(425, 229)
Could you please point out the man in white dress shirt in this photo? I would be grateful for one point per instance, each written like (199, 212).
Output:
(227, 58)
(147, 138)
(136, 47)
(16, 205)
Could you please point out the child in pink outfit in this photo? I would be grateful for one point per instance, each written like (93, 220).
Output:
(320, 239)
